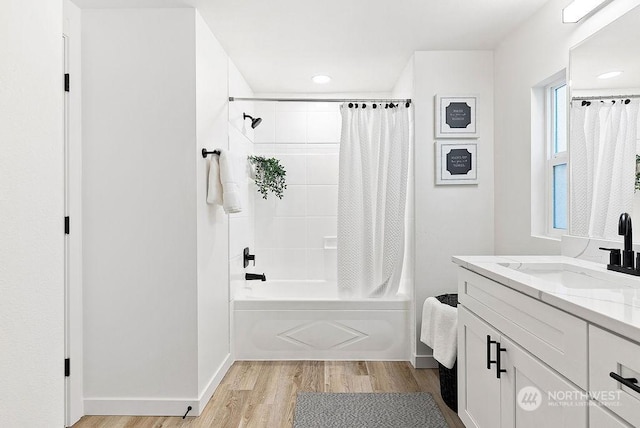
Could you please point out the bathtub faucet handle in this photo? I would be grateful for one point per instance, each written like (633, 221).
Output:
(247, 257)
(255, 276)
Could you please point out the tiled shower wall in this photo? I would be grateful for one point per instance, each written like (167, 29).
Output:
(295, 236)
(241, 224)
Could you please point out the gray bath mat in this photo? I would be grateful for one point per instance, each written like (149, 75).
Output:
(367, 410)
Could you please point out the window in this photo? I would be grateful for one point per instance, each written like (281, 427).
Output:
(557, 171)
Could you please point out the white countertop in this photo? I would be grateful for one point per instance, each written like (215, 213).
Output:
(616, 307)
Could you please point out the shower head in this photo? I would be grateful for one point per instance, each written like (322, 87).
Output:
(254, 122)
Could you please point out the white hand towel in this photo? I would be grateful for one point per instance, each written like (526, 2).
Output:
(231, 197)
(214, 192)
(440, 331)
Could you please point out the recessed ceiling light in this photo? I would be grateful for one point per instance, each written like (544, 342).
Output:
(578, 9)
(610, 74)
(321, 79)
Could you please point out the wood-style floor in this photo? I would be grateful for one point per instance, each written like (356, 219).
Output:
(263, 393)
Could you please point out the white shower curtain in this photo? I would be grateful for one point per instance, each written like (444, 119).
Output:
(603, 164)
(372, 192)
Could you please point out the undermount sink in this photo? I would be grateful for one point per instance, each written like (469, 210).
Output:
(570, 276)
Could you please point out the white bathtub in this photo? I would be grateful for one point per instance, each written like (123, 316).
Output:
(306, 320)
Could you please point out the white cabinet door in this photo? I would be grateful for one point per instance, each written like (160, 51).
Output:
(478, 386)
(599, 417)
(535, 396)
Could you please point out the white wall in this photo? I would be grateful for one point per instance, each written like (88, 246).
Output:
(450, 220)
(31, 207)
(212, 112)
(290, 232)
(538, 49)
(139, 158)
(157, 335)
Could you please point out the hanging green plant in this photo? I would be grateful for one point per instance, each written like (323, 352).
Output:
(270, 176)
(637, 172)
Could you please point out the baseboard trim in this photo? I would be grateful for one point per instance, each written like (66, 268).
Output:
(207, 393)
(138, 406)
(157, 407)
(424, 362)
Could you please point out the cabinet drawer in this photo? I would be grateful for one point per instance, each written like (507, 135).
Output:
(610, 353)
(555, 337)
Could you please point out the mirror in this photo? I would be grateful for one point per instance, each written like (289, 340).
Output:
(605, 129)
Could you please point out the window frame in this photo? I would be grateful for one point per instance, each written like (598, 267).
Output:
(552, 158)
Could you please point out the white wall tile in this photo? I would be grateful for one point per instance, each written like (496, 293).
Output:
(315, 264)
(323, 127)
(294, 106)
(290, 149)
(321, 264)
(281, 232)
(239, 235)
(265, 149)
(332, 107)
(264, 236)
(293, 203)
(322, 200)
(295, 166)
(266, 131)
(281, 263)
(291, 127)
(322, 169)
(323, 148)
(289, 233)
(318, 228)
(263, 207)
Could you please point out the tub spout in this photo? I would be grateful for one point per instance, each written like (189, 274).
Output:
(254, 276)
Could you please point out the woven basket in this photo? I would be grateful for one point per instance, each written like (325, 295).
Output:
(449, 377)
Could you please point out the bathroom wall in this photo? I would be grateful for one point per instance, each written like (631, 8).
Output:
(241, 135)
(212, 107)
(536, 50)
(295, 236)
(156, 299)
(453, 219)
(32, 225)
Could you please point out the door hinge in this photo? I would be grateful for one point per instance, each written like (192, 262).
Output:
(67, 367)
(66, 82)
(66, 225)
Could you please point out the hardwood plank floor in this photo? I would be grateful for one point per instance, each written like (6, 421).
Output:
(263, 393)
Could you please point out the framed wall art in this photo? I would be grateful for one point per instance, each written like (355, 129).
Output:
(456, 162)
(456, 116)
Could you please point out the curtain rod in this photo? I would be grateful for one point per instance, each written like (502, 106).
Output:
(324, 100)
(604, 97)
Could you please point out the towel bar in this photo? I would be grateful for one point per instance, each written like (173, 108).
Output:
(206, 153)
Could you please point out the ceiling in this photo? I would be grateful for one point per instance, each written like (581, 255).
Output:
(364, 45)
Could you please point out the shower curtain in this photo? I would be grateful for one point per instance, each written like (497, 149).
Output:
(372, 192)
(603, 165)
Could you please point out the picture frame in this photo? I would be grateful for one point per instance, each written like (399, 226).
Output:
(456, 116)
(456, 162)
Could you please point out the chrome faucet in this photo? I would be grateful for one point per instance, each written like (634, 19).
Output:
(254, 277)
(624, 229)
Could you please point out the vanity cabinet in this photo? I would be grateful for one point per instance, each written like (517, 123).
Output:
(492, 372)
(479, 405)
(547, 341)
(509, 345)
